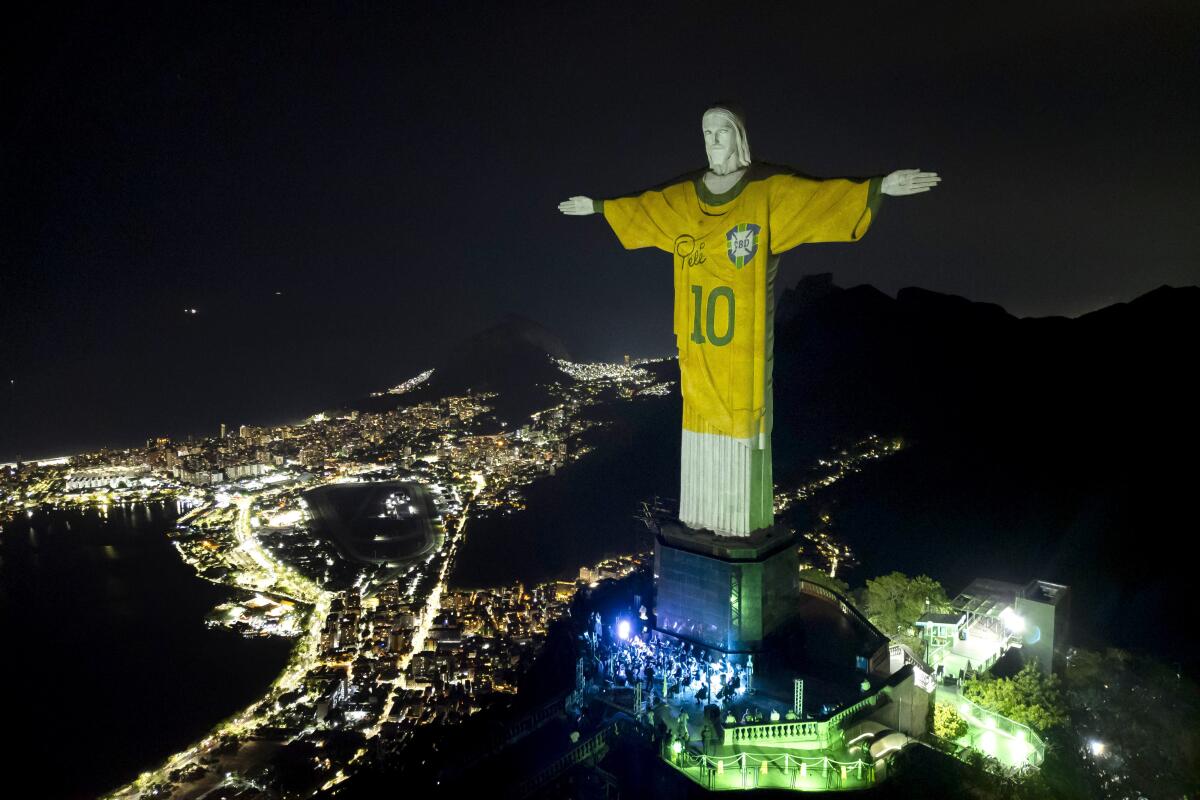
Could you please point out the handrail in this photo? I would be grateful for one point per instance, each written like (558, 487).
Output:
(817, 590)
(1016, 729)
(585, 749)
(870, 700)
(750, 766)
(790, 730)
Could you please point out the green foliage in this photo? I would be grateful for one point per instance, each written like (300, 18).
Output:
(824, 579)
(917, 772)
(1029, 697)
(1144, 711)
(994, 780)
(895, 602)
(947, 724)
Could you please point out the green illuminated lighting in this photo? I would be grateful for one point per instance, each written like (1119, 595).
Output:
(784, 770)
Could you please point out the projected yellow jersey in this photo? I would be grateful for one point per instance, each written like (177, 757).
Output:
(724, 248)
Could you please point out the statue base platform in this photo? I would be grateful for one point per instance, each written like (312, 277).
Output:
(724, 592)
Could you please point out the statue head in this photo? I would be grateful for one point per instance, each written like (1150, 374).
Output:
(725, 139)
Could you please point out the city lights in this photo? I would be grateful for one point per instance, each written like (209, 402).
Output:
(433, 655)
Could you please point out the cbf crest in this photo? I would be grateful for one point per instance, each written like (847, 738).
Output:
(743, 243)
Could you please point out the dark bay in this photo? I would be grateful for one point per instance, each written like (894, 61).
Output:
(584, 513)
(108, 664)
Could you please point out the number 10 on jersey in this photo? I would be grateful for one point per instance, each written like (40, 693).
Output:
(709, 310)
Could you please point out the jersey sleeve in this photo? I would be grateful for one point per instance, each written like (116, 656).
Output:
(651, 219)
(806, 210)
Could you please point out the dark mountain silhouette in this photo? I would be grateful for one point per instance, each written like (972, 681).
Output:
(934, 364)
(511, 358)
(1053, 448)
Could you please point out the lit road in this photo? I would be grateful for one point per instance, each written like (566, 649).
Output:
(250, 555)
(247, 541)
(256, 566)
(432, 604)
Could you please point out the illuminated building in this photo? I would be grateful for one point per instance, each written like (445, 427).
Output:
(989, 617)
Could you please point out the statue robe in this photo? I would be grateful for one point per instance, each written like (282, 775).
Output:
(726, 248)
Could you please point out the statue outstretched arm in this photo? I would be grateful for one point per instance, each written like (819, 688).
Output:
(909, 181)
(805, 210)
(650, 219)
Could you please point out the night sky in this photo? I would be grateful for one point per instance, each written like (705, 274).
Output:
(342, 191)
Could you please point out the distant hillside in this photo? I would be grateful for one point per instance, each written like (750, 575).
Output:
(1055, 448)
(937, 364)
(511, 358)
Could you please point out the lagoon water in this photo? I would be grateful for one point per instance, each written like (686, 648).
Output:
(108, 665)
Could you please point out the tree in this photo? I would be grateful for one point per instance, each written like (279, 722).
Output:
(947, 724)
(1143, 711)
(1029, 697)
(895, 602)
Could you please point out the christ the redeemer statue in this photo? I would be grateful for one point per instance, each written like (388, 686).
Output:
(727, 227)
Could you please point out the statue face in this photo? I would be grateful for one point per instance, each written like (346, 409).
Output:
(720, 139)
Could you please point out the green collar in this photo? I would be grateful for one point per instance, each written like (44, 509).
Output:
(709, 198)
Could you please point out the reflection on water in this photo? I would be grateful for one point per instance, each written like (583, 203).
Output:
(111, 626)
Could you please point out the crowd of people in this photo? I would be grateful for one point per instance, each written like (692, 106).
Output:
(628, 654)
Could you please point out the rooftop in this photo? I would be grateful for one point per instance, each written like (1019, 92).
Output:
(986, 597)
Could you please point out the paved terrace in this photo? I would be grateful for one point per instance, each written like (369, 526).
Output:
(801, 755)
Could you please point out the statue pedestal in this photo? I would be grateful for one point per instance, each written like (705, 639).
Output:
(724, 592)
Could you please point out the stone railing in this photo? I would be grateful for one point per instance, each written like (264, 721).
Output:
(789, 732)
(844, 605)
(588, 748)
(821, 732)
(908, 656)
(870, 700)
(793, 731)
(785, 770)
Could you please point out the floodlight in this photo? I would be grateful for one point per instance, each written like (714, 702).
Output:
(623, 629)
(1013, 621)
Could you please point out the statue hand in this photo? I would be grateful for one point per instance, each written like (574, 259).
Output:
(578, 206)
(909, 181)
